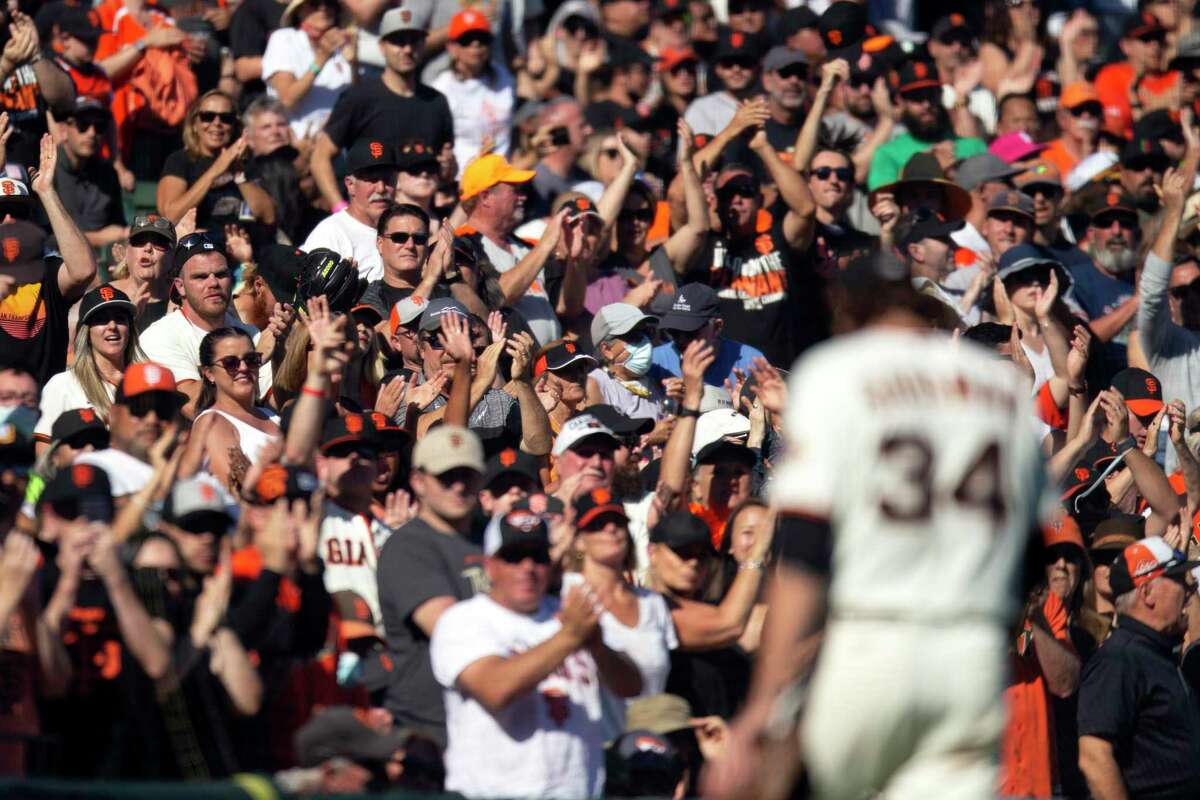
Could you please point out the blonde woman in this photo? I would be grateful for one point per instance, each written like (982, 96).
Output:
(106, 342)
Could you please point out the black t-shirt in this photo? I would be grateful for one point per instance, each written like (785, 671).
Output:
(769, 296)
(90, 192)
(835, 246)
(1133, 695)
(222, 205)
(33, 323)
(21, 97)
(418, 564)
(252, 24)
(371, 109)
(781, 137)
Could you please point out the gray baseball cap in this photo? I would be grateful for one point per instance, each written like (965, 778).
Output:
(616, 319)
(977, 170)
(194, 497)
(779, 57)
(431, 317)
(1017, 202)
(401, 19)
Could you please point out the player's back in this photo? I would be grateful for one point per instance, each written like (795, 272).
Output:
(920, 452)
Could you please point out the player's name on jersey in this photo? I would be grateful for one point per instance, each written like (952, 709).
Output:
(910, 387)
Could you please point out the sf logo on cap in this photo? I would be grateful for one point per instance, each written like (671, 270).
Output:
(376, 150)
(106, 293)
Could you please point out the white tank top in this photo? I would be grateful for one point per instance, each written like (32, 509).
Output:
(250, 439)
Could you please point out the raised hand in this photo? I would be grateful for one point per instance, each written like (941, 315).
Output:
(421, 396)
(752, 113)
(186, 224)
(644, 293)
(213, 601)
(1116, 413)
(398, 509)
(697, 357)
(441, 256)
(455, 338)
(833, 71)
(580, 613)
(629, 159)
(520, 348)
(547, 393)
(327, 335)
(685, 141)
(237, 244)
(1177, 418)
(387, 402)
(772, 389)
(233, 153)
(1175, 190)
(497, 327)
(1047, 296)
(1077, 358)
(1150, 447)
(43, 180)
(19, 560)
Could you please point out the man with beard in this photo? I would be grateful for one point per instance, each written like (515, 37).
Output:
(148, 259)
(918, 91)
(1104, 287)
(1142, 166)
(371, 185)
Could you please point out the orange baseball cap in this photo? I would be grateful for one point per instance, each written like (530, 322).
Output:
(670, 58)
(1078, 93)
(147, 377)
(468, 21)
(490, 170)
(1062, 530)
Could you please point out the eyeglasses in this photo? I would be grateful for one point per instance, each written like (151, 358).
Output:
(164, 406)
(402, 237)
(475, 38)
(84, 124)
(209, 117)
(253, 360)
(516, 556)
(347, 449)
(843, 174)
(636, 215)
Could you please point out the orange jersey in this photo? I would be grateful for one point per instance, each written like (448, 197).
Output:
(1113, 84)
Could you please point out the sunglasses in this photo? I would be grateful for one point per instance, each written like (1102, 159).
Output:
(401, 237)
(347, 449)
(1106, 221)
(516, 556)
(97, 440)
(1088, 110)
(406, 39)
(85, 124)
(209, 117)
(844, 174)
(474, 38)
(590, 450)
(697, 552)
(930, 96)
(687, 66)
(1068, 551)
(737, 189)
(253, 360)
(104, 316)
(421, 170)
(164, 406)
(735, 63)
(1159, 37)
(1045, 190)
(575, 25)
(794, 71)
(636, 215)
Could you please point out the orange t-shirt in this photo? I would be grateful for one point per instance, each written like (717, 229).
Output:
(1112, 84)
(1058, 155)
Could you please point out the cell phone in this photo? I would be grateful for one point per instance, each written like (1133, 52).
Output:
(560, 136)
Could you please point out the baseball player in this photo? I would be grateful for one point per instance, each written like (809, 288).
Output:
(906, 499)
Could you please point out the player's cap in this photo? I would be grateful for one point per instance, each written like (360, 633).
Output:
(794, 20)
(431, 317)
(490, 170)
(349, 429)
(579, 207)
(105, 296)
(617, 319)
(1158, 125)
(664, 9)
(1145, 560)
(81, 490)
(1016, 146)
(199, 504)
(579, 428)
(1143, 153)
(368, 153)
(79, 424)
(1141, 390)
(1039, 173)
(399, 20)
(562, 356)
(694, 305)
(367, 313)
(512, 461)
(683, 531)
(468, 21)
(660, 714)
(448, 447)
(984, 168)
(620, 423)
(518, 533)
(146, 376)
(595, 504)
(283, 481)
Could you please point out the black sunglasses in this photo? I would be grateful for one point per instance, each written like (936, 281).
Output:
(636, 215)
(517, 555)
(693, 551)
(574, 25)
(588, 450)
(1045, 190)
(1089, 109)
(1106, 221)
(87, 122)
(737, 188)
(252, 360)
(475, 37)
(794, 71)
(402, 237)
(228, 117)
(823, 173)
(406, 39)
(347, 449)
(164, 406)
(686, 66)
(98, 440)
(730, 63)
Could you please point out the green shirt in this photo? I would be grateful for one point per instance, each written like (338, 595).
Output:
(890, 158)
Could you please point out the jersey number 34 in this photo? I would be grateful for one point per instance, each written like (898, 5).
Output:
(913, 498)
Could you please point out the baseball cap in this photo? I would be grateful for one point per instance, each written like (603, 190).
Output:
(1063, 529)
(16, 436)
(660, 714)
(280, 266)
(448, 447)
(1141, 390)
(367, 153)
(153, 223)
(1078, 93)
(560, 356)
(1032, 256)
(337, 732)
(739, 46)
(75, 421)
(13, 189)
(669, 58)
(198, 500)
(843, 24)
(518, 531)
(680, 530)
(1141, 24)
(794, 20)
(23, 250)
(512, 460)
(619, 422)
(580, 206)
(414, 154)
(81, 490)
(593, 504)
(490, 170)
(399, 20)
(978, 170)
(81, 23)
(1012, 200)
(669, 8)
(922, 223)
(1015, 146)
(389, 436)
(950, 28)
(406, 311)
(146, 376)
(87, 106)
(616, 319)
(913, 75)
(639, 753)
(1115, 199)
(1039, 173)
(694, 305)
(576, 429)
(714, 426)
(1159, 124)
(1108, 542)
(346, 429)
(780, 57)
(1141, 153)
(197, 244)
(1145, 560)
(467, 21)
(431, 317)
(286, 481)
(104, 296)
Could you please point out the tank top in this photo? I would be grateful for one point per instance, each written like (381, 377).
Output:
(250, 439)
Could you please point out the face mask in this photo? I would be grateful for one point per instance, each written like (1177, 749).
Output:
(639, 357)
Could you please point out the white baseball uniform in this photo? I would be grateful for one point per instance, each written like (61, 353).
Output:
(918, 452)
(349, 544)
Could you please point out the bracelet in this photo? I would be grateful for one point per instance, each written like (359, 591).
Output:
(315, 69)
(339, 207)
(752, 563)
(688, 412)
(1077, 391)
(311, 392)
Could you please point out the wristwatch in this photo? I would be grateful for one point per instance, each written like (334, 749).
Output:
(140, 45)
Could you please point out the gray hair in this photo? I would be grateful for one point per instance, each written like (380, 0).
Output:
(1124, 602)
(262, 105)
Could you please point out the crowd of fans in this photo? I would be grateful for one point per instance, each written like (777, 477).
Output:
(390, 389)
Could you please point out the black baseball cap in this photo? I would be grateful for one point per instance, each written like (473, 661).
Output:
(722, 451)
(1159, 124)
(77, 421)
(922, 223)
(512, 460)
(153, 223)
(1142, 391)
(1115, 200)
(738, 46)
(519, 531)
(914, 75)
(595, 503)
(1140, 153)
(81, 490)
(952, 27)
(355, 428)
(618, 422)
(414, 154)
(388, 435)
(104, 296)
(561, 356)
(283, 481)
(367, 153)
(797, 19)
(81, 23)
(844, 24)
(694, 305)
(280, 267)
(680, 530)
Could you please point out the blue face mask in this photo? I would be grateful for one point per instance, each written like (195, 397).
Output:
(640, 353)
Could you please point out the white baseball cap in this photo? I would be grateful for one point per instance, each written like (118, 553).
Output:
(713, 426)
(578, 428)
(616, 319)
(13, 189)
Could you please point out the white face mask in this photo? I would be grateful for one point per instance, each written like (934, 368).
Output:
(639, 353)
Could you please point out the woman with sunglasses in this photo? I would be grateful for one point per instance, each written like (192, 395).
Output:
(308, 62)
(229, 428)
(106, 342)
(208, 173)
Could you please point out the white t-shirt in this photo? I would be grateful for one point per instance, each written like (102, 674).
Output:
(174, 342)
(349, 238)
(62, 393)
(126, 473)
(648, 645)
(349, 545)
(918, 450)
(480, 108)
(534, 305)
(549, 742)
(289, 50)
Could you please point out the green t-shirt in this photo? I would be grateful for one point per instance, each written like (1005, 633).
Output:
(890, 158)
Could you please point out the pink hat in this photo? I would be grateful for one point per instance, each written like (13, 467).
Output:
(1013, 147)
